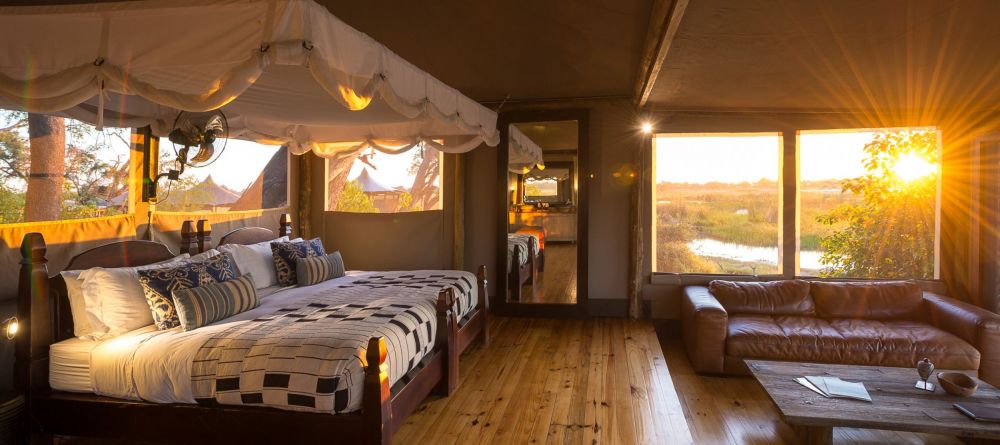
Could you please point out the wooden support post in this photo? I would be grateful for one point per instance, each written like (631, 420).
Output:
(788, 195)
(484, 305)
(285, 225)
(447, 340)
(376, 400)
(204, 235)
(188, 237)
(34, 315)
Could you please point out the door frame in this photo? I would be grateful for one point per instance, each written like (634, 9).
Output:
(500, 304)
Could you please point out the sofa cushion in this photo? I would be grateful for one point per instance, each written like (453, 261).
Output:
(789, 297)
(896, 300)
(847, 341)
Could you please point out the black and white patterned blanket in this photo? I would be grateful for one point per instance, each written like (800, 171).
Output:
(308, 356)
(522, 246)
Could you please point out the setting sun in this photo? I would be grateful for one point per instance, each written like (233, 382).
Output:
(910, 167)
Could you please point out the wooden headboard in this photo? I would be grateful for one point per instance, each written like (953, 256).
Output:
(43, 310)
(243, 235)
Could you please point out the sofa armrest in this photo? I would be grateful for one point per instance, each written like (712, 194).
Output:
(704, 323)
(978, 326)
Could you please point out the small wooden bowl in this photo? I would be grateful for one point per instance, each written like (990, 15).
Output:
(957, 383)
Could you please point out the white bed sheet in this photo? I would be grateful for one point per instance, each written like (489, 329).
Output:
(155, 366)
(69, 365)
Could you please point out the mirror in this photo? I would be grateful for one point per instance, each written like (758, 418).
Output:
(542, 208)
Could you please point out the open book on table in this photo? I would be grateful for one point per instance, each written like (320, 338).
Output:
(834, 387)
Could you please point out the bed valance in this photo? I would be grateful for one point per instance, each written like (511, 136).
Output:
(524, 153)
(284, 72)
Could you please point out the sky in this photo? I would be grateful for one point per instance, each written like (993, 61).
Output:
(717, 158)
(749, 157)
(393, 170)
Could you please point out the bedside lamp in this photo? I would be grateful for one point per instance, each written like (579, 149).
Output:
(9, 328)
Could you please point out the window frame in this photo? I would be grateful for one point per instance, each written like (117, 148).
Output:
(442, 188)
(789, 207)
(152, 163)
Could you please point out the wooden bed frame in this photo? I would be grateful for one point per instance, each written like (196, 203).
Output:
(45, 318)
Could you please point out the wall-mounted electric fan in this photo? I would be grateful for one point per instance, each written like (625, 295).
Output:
(205, 132)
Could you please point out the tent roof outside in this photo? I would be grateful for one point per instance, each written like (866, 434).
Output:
(370, 184)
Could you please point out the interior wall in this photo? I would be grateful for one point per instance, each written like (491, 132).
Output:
(958, 130)
(388, 241)
(614, 143)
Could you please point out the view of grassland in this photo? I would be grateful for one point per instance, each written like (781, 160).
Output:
(743, 218)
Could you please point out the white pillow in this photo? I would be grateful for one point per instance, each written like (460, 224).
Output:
(255, 259)
(77, 305)
(203, 256)
(114, 300)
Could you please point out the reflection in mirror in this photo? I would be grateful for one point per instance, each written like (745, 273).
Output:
(542, 209)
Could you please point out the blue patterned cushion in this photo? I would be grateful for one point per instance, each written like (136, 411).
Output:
(199, 306)
(318, 269)
(285, 255)
(317, 246)
(158, 284)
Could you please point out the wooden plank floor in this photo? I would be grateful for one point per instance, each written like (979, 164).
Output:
(601, 381)
(557, 282)
(604, 381)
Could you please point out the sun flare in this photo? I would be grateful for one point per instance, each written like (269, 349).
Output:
(910, 167)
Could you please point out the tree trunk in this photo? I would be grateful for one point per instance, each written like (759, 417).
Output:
(336, 177)
(43, 200)
(424, 191)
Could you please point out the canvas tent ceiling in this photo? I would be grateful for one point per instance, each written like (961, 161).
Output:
(523, 153)
(833, 55)
(284, 72)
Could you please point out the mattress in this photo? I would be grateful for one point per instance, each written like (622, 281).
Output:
(152, 365)
(69, 365)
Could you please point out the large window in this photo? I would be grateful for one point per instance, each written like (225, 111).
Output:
(869, 203)
(65, 169)
(245, 176)
(716, 203)
(376, 182)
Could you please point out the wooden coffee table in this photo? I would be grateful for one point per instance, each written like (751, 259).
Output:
(896, 405)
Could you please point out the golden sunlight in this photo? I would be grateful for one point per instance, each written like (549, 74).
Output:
(910, 167)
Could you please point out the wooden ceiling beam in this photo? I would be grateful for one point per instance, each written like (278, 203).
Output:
(663, 23)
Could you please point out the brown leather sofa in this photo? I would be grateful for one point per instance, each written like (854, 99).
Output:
(862, 323)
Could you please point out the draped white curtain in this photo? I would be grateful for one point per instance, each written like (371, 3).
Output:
(523, 153)
(284, 72)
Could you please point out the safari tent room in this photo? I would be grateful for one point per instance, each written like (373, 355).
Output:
(502, 222)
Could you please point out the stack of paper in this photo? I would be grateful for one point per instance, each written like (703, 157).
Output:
(835, 387)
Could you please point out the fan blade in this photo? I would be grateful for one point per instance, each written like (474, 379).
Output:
(215, 125)
(205, 152)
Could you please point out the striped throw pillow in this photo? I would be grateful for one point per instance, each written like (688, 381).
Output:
(199, 306)
(315, 270)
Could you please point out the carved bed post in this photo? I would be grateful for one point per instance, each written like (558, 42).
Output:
(447, 339)
(285, 225)
(484, 304)
(204, 235)
(188, 236)
(375, 403)
(34, 314)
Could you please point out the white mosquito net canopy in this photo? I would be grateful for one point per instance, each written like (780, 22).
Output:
(283, 72)
(523, 153)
